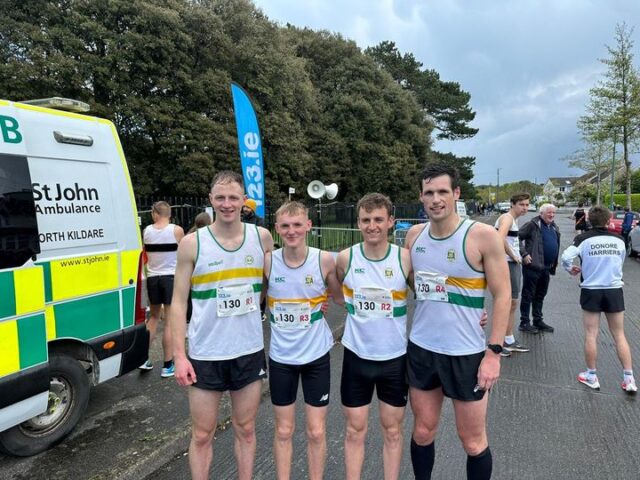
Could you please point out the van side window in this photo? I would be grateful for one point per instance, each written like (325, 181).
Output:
(18, 223)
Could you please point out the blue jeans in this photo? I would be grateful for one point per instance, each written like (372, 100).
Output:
(535, 284)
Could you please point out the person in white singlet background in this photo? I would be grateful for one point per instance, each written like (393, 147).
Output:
(374, 277)
(222, 264)
(299, 279)
(161, 244)
(507, 226)
(454, 261)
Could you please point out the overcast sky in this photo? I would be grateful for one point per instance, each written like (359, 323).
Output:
(528, 64)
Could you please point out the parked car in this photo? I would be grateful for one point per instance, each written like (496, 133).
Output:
(532, 207)
(503, 207)
(615, 224)
(634, 242)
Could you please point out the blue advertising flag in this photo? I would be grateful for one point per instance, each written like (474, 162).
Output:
(250, 147)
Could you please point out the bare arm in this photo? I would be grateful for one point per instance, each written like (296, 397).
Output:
(266, 239)
(409, 240)
(497, 274)
(342, 263)
(178, 232)
(412, 234)
(504, 224)
(178, 312)
(328, 266)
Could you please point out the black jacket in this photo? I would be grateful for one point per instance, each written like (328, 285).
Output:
(252, 218)
(531, 243)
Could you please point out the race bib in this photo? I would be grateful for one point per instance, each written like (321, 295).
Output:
(431, 286)
(235, 300)
(373, 302)
(292, 315)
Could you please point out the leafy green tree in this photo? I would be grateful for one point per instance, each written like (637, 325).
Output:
(584, 192)
(444, 103)
(614, 107)
(593, 158)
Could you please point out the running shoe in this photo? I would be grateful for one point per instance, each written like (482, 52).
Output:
(505, 352)
(515, 347)
(629, 386)
(583, 377)
(168, 372)
(146, 366)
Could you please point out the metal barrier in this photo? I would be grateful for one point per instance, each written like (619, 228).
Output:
(401, 226)
(330, 239)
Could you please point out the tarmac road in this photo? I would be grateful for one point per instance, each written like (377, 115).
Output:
(542, 423)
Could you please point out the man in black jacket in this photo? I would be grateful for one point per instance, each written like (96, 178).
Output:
(539, 247)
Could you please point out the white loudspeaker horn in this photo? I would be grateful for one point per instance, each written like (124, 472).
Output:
(316, 189)
(331, 191)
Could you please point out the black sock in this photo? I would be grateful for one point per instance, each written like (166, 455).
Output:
(167, 364)
(422, 458)
(479, 467)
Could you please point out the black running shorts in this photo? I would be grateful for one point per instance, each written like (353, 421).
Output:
(456, 375)
(607, 300)
(316, 379)
(360, 376)
(160, 289)
(234, 374)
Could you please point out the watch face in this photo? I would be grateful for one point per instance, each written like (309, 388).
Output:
(495, 348)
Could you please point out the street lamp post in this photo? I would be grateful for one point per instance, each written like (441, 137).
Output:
(613, 171)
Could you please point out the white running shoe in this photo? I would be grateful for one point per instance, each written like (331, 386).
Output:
(629, 386)
(583, 377)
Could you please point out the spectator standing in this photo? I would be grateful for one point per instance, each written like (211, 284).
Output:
(540, 248)
(248, 214)
(580, 218)
(627, 224)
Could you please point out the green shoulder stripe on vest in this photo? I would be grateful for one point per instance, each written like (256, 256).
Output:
(315, 316)
(465, 301)
(32, 339)
(8, 303)
(397, 311)
(213, 293)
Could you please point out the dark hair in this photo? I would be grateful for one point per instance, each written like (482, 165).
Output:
(372, 201)
(580, 204)
(626, 209)
(518, 197)
(434, 170)
(599, 216)
(227, 176)
(202, 220)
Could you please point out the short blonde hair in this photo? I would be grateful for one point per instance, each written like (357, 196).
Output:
(292, 208)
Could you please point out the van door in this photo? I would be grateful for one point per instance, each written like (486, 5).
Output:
(24, 371)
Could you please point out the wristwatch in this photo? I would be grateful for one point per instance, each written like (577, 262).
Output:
(495, 348)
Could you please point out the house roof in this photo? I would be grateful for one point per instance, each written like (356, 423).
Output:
(563, 181)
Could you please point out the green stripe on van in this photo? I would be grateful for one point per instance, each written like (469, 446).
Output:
(128, 303)
(88, 317)
(46, 270)
(32, 340)
(7, 288)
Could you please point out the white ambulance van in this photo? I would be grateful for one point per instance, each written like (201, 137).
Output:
(70, 270)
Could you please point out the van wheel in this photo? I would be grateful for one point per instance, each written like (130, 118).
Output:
(68, 397)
